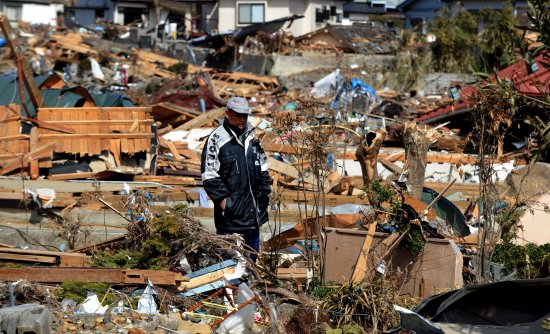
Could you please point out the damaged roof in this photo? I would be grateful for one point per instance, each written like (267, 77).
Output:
(357, 38)
(531, 79)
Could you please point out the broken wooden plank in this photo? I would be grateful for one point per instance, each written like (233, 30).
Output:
(38, 153)
(361, 267)
(396, 170)
(173, 150)
(71, 176)
(202, 119)
(27, 73)
(280, 148)
(288, 170)
(33, 163)
(27, 258)
(62, 259)
(100, 275)
(49, 126)
(299, 274)
(166, 179)
(206, 278)
(53, 136)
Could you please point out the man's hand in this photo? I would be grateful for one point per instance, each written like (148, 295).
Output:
(222, 203)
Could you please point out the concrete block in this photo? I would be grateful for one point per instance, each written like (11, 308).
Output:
(26, 318)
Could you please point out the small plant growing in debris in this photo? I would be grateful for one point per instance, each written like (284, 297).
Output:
(383, 192)
(160, 242)
(304, 130)
(368, 304)
(73, 229)
(78, 291)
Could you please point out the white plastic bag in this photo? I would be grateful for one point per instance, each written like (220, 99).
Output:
(146, 303)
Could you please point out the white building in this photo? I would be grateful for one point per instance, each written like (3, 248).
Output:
(317, 13)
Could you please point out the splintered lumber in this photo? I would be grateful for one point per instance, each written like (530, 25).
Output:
(208, 275)
(288, 170)
(100, 275)
(244, 81)
(101, 245)
(202, 119)
(152, 57)
(433, 157)
(396, 170)
(60, 259)
(73, 42)
(172, 148)
(280, 148)
(298, 274)
(12, 142)
(166, 179)
(205, 279)
(27, 73)
(360, 271)
(44, 151)
(70, 187)
(71, 176)
(172, 114)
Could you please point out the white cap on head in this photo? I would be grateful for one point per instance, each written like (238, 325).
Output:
(239, 105)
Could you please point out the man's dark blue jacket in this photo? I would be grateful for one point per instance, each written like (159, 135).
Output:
(235, 167)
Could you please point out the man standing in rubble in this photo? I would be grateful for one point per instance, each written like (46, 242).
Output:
(235, 175)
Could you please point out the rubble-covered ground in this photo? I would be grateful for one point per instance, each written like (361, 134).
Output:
(393, 180)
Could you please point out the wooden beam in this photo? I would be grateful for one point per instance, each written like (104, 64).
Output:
(27, 258)
(360, 271)
(100, 275)
(288, 170)
(172, 148)
(49, 125)
(27, 75)
(299, 274)
(62, 259)
(166, 179)
(22, 162)
(206, 278)
(71, 176)
(101, 122)
(280, 148)
(202, 119)
(97, 136)
(396, 170)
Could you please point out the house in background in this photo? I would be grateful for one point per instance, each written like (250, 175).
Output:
(317, 13)
(419, 12)
(363, 10)
(87, 12)
(33, 11)
(176, 17)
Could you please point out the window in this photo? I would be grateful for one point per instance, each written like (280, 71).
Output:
(251, 13)
(13, 13)
(326, 13)
(318, 15)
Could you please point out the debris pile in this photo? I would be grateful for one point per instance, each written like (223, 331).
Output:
(378, 197)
